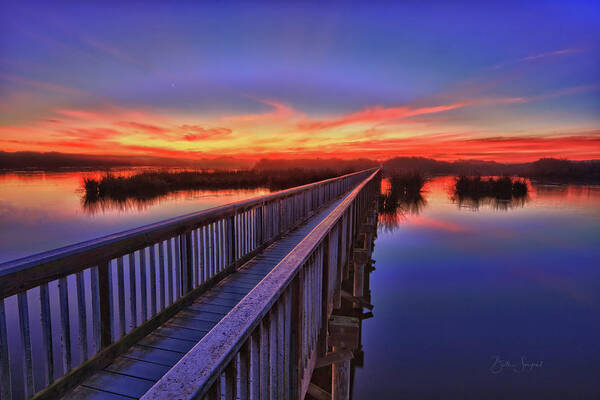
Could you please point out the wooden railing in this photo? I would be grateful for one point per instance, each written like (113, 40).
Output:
(266, 347)
(72, 310)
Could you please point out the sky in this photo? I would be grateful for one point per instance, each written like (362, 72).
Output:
(508, 81)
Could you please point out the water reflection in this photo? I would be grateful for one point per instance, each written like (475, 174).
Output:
(496, 193)
(132, 204)
(396, 203)
(44, 210)
(454, 290)
(474, 204)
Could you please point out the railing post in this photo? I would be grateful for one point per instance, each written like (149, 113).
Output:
(325, 298)
(105, 291)
(337, 300)
(297, 364)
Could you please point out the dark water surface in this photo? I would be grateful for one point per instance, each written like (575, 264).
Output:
(496, 302)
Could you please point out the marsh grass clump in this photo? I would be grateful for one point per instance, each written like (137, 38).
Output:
(503, 188)
(90, 186)
(403, 197)
(150, 184)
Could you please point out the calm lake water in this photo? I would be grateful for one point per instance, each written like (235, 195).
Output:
(41, 211)
(460, 292)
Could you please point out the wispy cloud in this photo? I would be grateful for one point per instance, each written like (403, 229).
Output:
(41, 85)
(540, 56)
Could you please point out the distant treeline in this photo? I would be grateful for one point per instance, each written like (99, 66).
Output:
(149, 184)
(51, 161)
(550, 169)
(335, 164)
(543, 169)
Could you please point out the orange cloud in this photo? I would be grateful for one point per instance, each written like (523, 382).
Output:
(142, 127)
(279, 111)
(199, 133)
(376, 114)
(380, 114)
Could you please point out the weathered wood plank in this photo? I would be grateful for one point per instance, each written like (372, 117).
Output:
(5, 390)
(161, 276)
(264, 360)
(211, 308)
(143, 288)
(230, 381)
(86, 393)
(334, 357)
(179, 332)
(151, 354)
(137, 368)
(244, 368)
(121, 295)
(255, 371)
(192, 323)
(105, 291)
(81, 311)
(170, 270)
(23, 307)
(123, 385)
(167, 343)
(341, 380)
(46, 325)
(191, 312)
(65, 324)
(152, 279)
(318, 393)
(132, 292)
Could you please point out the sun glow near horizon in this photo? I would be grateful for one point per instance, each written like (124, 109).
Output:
(298, 91)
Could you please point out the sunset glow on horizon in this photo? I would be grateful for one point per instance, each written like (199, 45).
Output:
(193, 81)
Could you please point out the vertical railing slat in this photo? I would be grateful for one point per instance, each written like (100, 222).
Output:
(132, 292)
(83, 343)
(255, 364)
(178, 267)
(121, 295)
(273, 348)
(46, 325)
(105, 292)
(161, 275)
(96, 309)
(152, 280)
(65, 324)
(170, 269)
(264, 359)
(26, 342)
(244, 367)
(231, 381)
(5, 388)
(143, 289)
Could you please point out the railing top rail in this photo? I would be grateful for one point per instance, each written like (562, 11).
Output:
(90, 252)
(192, 376)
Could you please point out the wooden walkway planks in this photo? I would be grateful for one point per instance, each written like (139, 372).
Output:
(133, 373)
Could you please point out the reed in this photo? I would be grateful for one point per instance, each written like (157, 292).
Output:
(150, 184)
(504, 188)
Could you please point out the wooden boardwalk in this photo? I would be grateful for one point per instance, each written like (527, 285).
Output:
(136, 371)
(240, 299)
